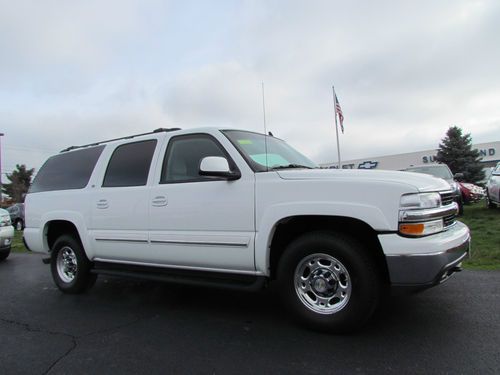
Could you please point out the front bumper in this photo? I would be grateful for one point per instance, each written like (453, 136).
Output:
(418, 263)
(6, 235)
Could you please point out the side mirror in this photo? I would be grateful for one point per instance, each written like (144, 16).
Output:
(217, 166)
(458, 176)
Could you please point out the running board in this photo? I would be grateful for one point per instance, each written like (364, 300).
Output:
(183, 277)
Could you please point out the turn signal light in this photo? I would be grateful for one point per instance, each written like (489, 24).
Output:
(421, 229)
(412, 229)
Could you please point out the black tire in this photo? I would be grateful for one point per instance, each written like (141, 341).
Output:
(19, 225)
(460, 206)
(357, 270)
(4, 255)
(489, 204)
(73, 275)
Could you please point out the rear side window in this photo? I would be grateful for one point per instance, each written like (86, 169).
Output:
(69, 170)
(129, 164)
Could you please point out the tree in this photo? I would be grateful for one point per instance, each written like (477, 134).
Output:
(20, 181)
(456, 151)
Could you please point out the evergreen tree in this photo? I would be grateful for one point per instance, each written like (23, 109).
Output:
(20, 181)
(456, 151)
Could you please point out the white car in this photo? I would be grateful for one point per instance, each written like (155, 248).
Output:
(240, 209)
(6, 234)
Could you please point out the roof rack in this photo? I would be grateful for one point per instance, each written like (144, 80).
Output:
(159, 130)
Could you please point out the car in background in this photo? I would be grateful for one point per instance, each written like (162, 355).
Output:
(444, 172)
(16, 212)
(471, 193)
(6, 234)
(493, 188)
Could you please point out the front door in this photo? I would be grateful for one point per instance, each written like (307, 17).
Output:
(201, 222)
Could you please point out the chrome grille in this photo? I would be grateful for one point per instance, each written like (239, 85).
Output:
(447, 197)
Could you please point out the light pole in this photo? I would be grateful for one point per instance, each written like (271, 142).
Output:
(1, 198)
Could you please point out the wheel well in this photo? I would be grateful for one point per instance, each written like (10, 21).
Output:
(56, 228)
(291, 228)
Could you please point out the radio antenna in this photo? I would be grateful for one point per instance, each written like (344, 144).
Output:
(265, 127)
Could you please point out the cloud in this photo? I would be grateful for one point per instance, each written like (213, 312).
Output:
(77, 72)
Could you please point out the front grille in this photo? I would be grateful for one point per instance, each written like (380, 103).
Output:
(447, 197)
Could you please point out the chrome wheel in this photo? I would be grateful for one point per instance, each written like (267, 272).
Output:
(322, 283)
(67, 264)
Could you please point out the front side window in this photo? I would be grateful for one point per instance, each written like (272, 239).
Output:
(129, 165)
(266, 152)
(68, 170)
(184, 155)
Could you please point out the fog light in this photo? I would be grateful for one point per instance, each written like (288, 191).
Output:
(7, 242)
(421, 229)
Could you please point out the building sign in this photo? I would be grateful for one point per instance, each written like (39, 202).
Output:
(483, 153)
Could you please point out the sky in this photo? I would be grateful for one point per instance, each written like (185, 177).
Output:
(75, 72)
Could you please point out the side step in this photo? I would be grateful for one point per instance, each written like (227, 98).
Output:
(183, 277)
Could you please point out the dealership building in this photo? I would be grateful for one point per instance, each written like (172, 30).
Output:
(489, 152)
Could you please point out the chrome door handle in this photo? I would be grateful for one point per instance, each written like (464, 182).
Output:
(102, 204)
(159, 201)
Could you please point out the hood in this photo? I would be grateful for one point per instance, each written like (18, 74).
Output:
(421, 182)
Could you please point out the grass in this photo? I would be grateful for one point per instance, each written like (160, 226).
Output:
(17, 243)
(484, 224)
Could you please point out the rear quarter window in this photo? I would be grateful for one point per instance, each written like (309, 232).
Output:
(68, 170)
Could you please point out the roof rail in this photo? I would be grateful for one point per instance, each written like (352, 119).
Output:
(159, 130)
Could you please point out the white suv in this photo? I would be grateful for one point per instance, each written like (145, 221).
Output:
(239, 209)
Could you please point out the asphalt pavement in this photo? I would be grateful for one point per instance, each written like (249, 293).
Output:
(124, 326)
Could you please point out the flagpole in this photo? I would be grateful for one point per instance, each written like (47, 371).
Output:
(336, 126)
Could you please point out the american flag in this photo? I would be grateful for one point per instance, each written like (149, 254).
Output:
(338, 111)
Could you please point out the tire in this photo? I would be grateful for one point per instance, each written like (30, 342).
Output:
(329, 282)
(70, 266)
(489, 203)
(19, 225)
(4, 255)
(460, 206)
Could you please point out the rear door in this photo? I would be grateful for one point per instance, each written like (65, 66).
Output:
(120, 203)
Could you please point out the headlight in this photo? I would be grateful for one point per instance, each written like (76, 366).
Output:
(422, 200)
(4, 221)
(421, 214)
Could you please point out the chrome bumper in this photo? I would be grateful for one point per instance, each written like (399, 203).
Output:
(424, 262)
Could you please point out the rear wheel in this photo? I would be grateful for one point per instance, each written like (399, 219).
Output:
(329, 282)
(70, 266)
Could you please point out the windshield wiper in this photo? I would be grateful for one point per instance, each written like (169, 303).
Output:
(290, 166)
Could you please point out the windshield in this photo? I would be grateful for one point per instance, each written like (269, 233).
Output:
(441, 171)
(280, 155)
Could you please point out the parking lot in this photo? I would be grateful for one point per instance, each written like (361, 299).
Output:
(128, 326)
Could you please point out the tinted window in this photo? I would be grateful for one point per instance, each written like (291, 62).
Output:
(69, 170)
(129, 164)
(183, 158)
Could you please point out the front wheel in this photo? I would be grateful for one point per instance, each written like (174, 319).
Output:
(70, 266)
(4, 255)
(329, 282)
